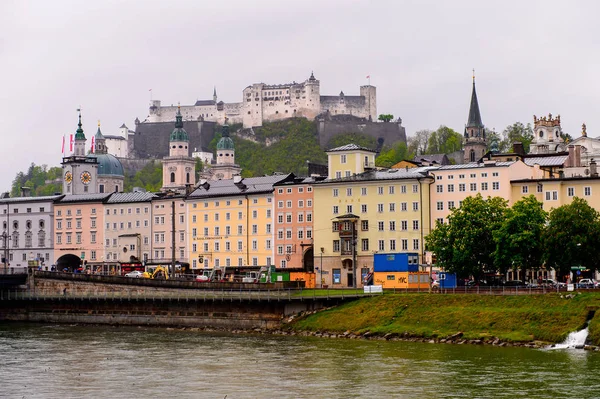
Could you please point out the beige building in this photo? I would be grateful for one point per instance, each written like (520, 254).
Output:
(164, 208)
(454, 183)
(128, 228)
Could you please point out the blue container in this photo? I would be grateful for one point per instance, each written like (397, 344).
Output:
(402, 262)
(447, 280)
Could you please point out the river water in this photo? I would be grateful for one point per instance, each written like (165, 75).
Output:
(62, 361)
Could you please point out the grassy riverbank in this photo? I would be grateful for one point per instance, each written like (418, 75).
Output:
(513, 318)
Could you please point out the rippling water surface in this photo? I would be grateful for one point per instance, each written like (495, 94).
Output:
(60, 361)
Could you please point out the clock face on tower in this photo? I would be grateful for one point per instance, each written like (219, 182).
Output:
(86, 177)
(68, 177)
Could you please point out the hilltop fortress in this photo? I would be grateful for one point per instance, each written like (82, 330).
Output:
(262, 102)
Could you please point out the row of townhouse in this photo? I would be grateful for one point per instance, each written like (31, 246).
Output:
(331, 225)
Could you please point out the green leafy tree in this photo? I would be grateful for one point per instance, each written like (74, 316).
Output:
(385, 117)
(517, 132)
(149, 178)
(518, 239)
(466, 245)
(444, 141)
(418, 143)
(571, 237)
(390, 156)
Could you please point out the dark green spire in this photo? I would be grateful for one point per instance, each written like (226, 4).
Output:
(474, 115)
(79, 134)
(225, 143)
(179, 134)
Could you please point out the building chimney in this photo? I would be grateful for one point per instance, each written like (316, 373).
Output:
(574, 159)
(593, 168)
(237, 179)
(518, 148)
(25, 191)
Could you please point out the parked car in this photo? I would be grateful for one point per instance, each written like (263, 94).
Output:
(550, 283)
(514, 283)
(435, 284)
(587, 283)
(135, 274)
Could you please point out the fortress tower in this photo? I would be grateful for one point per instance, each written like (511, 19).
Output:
(474, 145)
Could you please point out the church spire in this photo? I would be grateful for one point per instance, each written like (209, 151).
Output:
(79, 132)
(215, 94)
(474, 115)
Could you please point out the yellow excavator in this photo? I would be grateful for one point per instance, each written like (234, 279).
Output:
(159, 272)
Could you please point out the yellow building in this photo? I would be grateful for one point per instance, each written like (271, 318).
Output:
(231, 222)
(364, 212)
(557, 192)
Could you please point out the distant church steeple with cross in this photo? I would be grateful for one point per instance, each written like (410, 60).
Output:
(475, 139)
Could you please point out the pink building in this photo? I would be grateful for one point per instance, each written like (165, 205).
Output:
(454, 183)
(293, 202)
(79, 231)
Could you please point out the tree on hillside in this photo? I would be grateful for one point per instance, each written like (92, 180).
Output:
(518, 239)
(148, 178)
(465, 245)
(390, 156)
(571, 237)
(385, 117)
(418, 144)
(359, 139)
(444, 141)
(40, 179)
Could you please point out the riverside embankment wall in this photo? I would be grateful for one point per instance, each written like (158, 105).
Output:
(91, 299)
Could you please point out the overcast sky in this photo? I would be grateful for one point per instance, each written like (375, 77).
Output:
(530, 57)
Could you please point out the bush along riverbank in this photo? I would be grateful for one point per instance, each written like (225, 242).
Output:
(516, 320)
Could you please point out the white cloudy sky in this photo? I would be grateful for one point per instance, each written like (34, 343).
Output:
(531, 57)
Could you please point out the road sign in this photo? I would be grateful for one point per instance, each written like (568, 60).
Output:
(578, 267)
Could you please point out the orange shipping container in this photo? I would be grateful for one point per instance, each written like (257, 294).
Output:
(308, 278)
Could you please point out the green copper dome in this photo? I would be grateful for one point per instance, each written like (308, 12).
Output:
(109, 165)
(79, 133)
(225, 143)
(179, 134)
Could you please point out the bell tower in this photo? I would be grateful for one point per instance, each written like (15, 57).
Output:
(474, 144)
(178, 168)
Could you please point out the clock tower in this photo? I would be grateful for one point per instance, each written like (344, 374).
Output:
(79, 170)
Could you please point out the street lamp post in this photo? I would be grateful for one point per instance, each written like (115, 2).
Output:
(321, 268)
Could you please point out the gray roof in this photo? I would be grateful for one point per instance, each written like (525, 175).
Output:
(557, 160)
(106, 136)
(350, 147)
(30, 199)
(440, 159)
(119, 198)
(474, 165)
(248, 186)
(204, 102)
(85, 198)
(384, 174)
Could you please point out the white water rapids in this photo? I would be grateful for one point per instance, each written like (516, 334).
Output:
(575, 340)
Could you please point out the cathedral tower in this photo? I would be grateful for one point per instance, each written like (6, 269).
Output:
(178, 167)
(475, 145)
(225, 167)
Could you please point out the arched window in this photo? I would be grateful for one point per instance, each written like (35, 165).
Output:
(172, 177)
(187, 177)
(472, 156)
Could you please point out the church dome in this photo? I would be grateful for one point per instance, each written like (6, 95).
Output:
(179, 134)
(109, 165)
(225, 143)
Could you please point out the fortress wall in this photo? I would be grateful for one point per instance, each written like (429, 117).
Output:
(390, 132)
